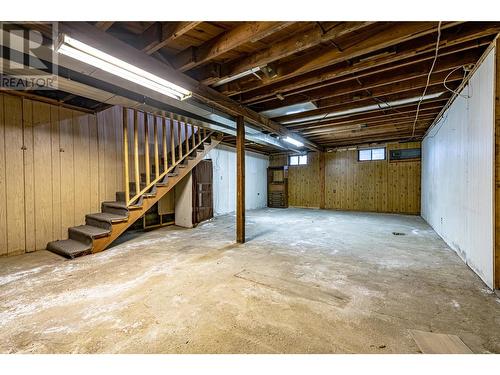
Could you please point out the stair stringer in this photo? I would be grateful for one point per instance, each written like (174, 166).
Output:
(117, 229)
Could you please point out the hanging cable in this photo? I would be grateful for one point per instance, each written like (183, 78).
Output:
(453, 91)
(428, 79)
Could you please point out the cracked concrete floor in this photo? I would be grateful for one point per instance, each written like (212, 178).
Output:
(307, 281)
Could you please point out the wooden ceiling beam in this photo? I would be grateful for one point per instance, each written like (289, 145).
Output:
(406, 112)
(229, 40)
(369, 135)
(359, 102)
(89, 34)
(160, 34)
(453, 40)
(394, 114)
(104, 25)
(440, 72)
(293, 44)
(374, 140)
(380, 124)
(394, 88)
(365, 43)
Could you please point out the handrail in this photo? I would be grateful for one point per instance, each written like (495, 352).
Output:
(168, 170)
(190, 143)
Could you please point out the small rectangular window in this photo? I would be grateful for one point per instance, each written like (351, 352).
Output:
(371, 154)
(298, 160)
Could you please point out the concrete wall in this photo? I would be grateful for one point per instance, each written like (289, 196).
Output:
(224, 164)
(457, 173)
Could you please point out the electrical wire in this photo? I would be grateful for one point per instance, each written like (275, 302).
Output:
(428, 79)
(453, 91)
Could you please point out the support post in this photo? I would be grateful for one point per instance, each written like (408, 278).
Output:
(240, 179)
(496, 206)
(125, 155)
(322, 180)
(146, 148)
(136, 153)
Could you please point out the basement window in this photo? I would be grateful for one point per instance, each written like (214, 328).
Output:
(298, 160)
(369, 154)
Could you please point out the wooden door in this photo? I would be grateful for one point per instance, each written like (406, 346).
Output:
(202, 192)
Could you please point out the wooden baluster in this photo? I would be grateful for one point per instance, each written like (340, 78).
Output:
(179, 138)
(193, 137)
(164, 143)
(172, 138)
(125, 155)
(146, 147)
(204, 133)
(186, 137)
(199, 135)
(136, 152)
(157, 156)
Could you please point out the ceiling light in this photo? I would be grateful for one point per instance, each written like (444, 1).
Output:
(92, 56)
(237, 76)
(293, 141)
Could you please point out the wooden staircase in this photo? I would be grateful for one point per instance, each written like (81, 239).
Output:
(102, 228)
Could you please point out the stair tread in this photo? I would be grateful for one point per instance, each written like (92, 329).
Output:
(119, 204)
(69, 248)
(90, 230)
(106, 216)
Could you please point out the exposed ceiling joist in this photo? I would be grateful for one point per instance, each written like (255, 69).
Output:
(160, 34)
(246, 32)
(388, 36)
(293, 44)
(468, 36)
(104, 25)
(98, 39)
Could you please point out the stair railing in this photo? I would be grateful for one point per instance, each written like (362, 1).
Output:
(194, 136)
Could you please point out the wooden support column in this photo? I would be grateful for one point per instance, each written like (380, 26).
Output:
(240, 179)
(322, 196)
(496, 261)
(125, 155)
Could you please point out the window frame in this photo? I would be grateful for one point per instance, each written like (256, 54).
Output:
(371, 154)
(299, 164)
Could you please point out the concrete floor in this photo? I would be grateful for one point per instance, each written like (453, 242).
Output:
(308, 281)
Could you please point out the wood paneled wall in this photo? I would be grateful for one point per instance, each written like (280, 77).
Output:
(378, 186)
(56, 165)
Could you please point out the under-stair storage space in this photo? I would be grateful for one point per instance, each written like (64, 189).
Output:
(157, 152)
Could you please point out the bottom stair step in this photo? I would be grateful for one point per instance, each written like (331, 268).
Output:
(69, 248)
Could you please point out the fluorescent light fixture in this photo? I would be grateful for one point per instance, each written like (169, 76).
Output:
(237, 76)
(289, 109)
(80, 51)
(293, 141)
(364, 109)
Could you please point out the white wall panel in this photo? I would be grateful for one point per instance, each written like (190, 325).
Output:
(224, 165)
(457, 173)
